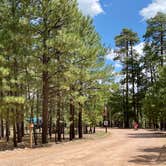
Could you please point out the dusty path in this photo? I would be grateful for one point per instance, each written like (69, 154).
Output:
(121, 148)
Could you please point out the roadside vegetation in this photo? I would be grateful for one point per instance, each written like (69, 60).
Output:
(54, 80)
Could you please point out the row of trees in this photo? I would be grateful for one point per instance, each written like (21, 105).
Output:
(52, 69)
(52, 66)
(142, 90)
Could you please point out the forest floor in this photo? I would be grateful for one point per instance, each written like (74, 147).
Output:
(120, 147)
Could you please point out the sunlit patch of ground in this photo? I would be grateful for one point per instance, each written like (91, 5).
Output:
(120, 147)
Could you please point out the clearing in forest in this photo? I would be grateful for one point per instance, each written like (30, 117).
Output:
(121, 147)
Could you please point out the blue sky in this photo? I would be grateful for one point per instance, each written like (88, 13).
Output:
(110, 16)
(117, 15)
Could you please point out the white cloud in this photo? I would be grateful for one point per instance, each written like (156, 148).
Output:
(152, 9)
(111, 55)
(139, 48)
(90, 7)
(116, 64)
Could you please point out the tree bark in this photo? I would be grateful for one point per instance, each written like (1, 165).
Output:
(94, 129)
(19, 127)
(127, 89)
(14, 129)
(50, 123)
(162, 46)
(2, 127)
(59, 117)
(7, 126)
(45, 106)
(133, 83)
(80, 135)
(72, 128)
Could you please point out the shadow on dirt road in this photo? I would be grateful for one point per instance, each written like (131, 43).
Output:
(155, 155)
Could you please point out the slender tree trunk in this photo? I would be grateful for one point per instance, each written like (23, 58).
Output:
(63, 124)
(22, 117)
(59, 116)
(0, 131)
(124, 108)
(137, 99)
(80, 135)
(19, 132)
(37, 114)
(18, 124)
(162, 46)
(72, 132)
(45, 81)
(14, 135)
(85, 129)
(90, 129)
(50, 123)
(127, 89)
(1, 114)
(94, 129)
(35, 134)
(133, 84)
(45, 107)
(164, 124)
(14, 129)
(7, 126)
(2, 127)
(22, 126)
(151, 74)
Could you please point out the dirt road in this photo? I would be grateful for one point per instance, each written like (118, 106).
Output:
(122, 147)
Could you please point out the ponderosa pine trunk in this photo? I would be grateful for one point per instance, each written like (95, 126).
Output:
(90, 129)
(162, 46)
(133, 84)
(50, 123)
(14, 129)
(58, 126)
(2, 127)
(22, 126)
(7, 126)
(72, 132)
(45, 92)
(86, 129)
(80, 135)
(45, 77)
(22, 117)
(18, 124)
(127, 89)
(45, 106)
